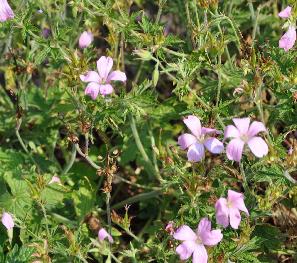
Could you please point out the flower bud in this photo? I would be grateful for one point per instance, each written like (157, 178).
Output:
(85, 39)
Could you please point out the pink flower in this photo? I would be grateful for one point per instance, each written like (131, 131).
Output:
(286, 12)
(287, 41)
(194, 242)
(244, 133)
(229, 209)
(7, 221)
(100, 83)
(5, 11)
(102, 234)
(196, 141)
(55, 179)
(170, 228)
(85, 39)
(290, 151)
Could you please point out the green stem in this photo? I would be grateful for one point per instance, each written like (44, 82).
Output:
(87, 158)
(243, 176)
(219, 80)
(19, 122)
(153, 143)
(136, 184)
(189, 24)
(136, 198)
(141, 148)
(108, 213)
(259, 105)
(71, 160)
(159, 13)
(114, 258)
(18, 126)
(46, 221)
(255, 25)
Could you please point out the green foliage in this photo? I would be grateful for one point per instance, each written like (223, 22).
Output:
(117, 157)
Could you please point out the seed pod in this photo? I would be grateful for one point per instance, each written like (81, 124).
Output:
(156, 75)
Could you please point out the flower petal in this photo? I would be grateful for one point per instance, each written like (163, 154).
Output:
(85, 39)
(205, 130)
(7, 221)
(242, 124)
(287, 41)
(213, 238)
(195, 152)
(92, 90)
(102, 234)
(185, 233)
(258, 146)
(204, 226)
(186, 140)
(116, 75)
(222, 212)
(200, 254)
(214, 145)
(285, 13)
(237, 201)
(91, 76)
(193, 124)
(235, 217)
(255, 128)
(106, 89)
(185, 249)
(5, 11)
(104, 66)
(234, 149)
(231, 132)
(208, 237)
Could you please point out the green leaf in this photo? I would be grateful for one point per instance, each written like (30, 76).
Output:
(84, 199)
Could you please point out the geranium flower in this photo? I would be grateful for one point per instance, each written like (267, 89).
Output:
(244, 133)
(100, 83)
(199, 139)
(287, 41)
(85, 39)
(7, 221)
(55, 179)
(194, 242)
(170, 228)
(102, 234)
(228, 210)
(5, 11)
(286, 12)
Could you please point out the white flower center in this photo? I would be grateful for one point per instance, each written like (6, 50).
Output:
(244, 137)
(198, 240)
(200, 138)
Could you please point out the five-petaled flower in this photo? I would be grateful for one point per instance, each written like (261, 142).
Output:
(85, 39)
(199, 139)
(7, 221)
(100, 83)
(194, 242)
(287, 41)
(286, 12)
(5, 11)
(228, 210)
(102, 234)
(244, 133)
